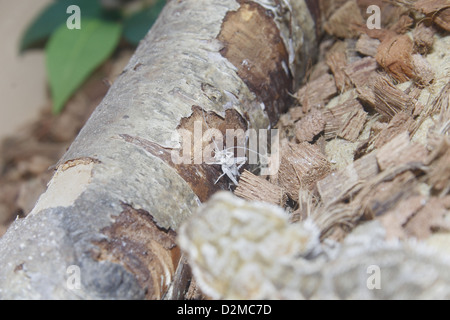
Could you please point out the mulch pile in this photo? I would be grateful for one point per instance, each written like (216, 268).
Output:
(368, 135)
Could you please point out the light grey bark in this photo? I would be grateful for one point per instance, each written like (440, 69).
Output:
(102, 172)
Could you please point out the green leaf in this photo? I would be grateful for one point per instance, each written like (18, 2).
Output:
(72, 55)
(137, 25)
(54, 16)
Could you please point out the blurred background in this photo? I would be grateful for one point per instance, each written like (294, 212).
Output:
(23, 77)
(52, 78)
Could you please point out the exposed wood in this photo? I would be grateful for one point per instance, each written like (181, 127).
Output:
(394, 171)
(403, 24)
(394, 55)
(301, 166)
(380, 196)
(353, 124)
(399, 150)
(345, 120)
(258, 67)
(360, 165)
(337, 60)
(338, 185)
(442, 19)
(360, 71)
(330, 6)
(437, 10)
(307, 204)
(343, 21)
(439, 105)
(389, 100)
(255, 188)
(309, 126)
(135, 241)
(317, 93)
(367, 45)
(400, 123)
(296, 113)
(366, 95)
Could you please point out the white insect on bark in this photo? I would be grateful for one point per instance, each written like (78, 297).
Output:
(229, 163)
(119, 225)
(225, 158)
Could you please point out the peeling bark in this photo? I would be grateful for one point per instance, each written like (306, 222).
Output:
(116, 200)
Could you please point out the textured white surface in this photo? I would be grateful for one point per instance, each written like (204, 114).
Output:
(245, 250)
(248, 250)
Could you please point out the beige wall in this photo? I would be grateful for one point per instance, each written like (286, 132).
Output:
(22, 78)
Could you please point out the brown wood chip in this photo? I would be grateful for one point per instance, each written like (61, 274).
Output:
(394, 55)
(317, 93)
(255, 188)
(309, 126)
(337, 185)
(360, 71)
(301, 166)
(345, 120)
(389, 100)
(367, 46)
(343, 21)
(400, 151)
(400, 123)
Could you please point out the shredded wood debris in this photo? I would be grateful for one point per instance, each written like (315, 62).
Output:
(395, 166)
(392, 156)
(254, 188)
(345, 120)
(309, 126)
(344, 20)
(437, 11)
(367, 46)
(317, 93)
(383, 94)
(377, 100)
(395, 56)
(301, 166)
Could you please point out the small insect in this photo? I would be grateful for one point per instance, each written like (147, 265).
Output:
(230, 164)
